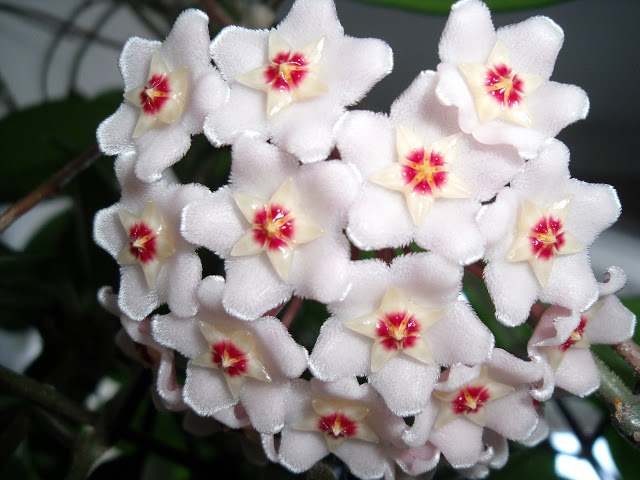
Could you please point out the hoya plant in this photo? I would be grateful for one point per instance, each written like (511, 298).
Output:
(316, 287)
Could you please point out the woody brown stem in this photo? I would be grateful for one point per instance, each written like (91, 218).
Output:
(51, 187)
(630, 353)
(216, 13)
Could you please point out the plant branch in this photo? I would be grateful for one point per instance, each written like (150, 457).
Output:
(51, 187)
(630, 353)
(623, 405)
(44, 395)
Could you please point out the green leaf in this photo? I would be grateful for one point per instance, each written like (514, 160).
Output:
(444, 6)
(625, 456)
(306, 325)
(38, 141)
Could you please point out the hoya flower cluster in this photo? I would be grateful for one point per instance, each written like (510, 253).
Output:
(463, 168)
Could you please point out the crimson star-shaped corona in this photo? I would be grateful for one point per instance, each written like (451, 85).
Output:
(234, 353)
(277, 227)
(162, 98)
(422, 173)
(542, 235)
(291, 75)
(149, 241)
(338, 420)
(397, 324)
(469, 400)
(498, 90)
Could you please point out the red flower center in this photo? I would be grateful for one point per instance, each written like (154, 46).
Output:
(546, 237)
(504, 85)
(273, 226)
(287, 71)
(575, 336)
(398, 330)
(470, 399)
(229, 358)
(424, 172)
(337, 425)
(142, 244)
(154, 94)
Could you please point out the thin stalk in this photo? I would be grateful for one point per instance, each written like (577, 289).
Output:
(45, 395)
(216, 13)
(630, 353)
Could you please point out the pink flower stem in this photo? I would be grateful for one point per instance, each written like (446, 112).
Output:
(386, 254)
(292, 309)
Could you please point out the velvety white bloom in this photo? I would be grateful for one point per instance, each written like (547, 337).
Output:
(142, 232)
(499, 80)
(170, 87)
(136, 341)
(397, 326)
(535, 231)
(562, 339)
(344, 418)
(278, 225)
(424, 179)
(469, 399)
(233, 363)
(291, 84)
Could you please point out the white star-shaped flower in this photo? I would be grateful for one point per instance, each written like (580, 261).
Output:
(310, 70)
(170, 88)
(499, 80)
(548, 219)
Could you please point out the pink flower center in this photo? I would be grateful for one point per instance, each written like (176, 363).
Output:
(575, 336)
(398, 330)
(229, 358)
(287, 71)
(424, 172)
(470, 399)
(504, 85)
(337, 425)
(546, 237)
(273, 226)
(154, 94)
(142, 244)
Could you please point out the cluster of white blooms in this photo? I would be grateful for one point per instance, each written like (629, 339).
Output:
(464, 168)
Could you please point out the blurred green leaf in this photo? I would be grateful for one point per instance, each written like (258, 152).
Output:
(444, 6)
(320, 471)
(625, 456)
(306, 325)
(38, 141)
